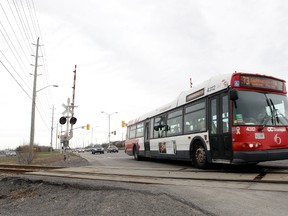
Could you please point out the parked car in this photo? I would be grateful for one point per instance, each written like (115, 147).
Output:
(112, 148)
(10, 153)
(97, 149)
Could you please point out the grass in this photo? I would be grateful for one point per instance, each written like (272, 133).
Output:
(39, 158)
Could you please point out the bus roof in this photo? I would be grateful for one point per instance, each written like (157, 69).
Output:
(210, 86)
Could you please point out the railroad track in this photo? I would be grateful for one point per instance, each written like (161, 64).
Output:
(18, 169)
(166, 176)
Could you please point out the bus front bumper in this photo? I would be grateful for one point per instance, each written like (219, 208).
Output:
(259, 156)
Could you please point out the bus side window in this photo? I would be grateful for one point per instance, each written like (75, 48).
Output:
(188, 127)
(160, 126)
(202, 126)
(194, 114)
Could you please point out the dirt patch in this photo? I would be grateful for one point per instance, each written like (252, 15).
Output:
(21, 196)
(72, 160)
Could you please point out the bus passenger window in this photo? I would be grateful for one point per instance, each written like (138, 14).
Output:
(195, 117)
(132, 132)
(140, 129)
(174, 122)
(160, 126)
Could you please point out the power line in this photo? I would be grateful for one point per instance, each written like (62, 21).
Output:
(21, 21)
(11, 48)
(14, 32)
(14, 69)
(32, 18)
(28, 25)
(20, 29)
(15, 80)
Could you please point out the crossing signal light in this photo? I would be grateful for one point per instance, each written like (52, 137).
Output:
(123, 123)
(87, 126)
(73, 120)
(62, 120)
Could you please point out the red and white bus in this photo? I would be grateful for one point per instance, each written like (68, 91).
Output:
(233, 118)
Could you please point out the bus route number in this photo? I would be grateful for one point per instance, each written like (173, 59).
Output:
(212, 88)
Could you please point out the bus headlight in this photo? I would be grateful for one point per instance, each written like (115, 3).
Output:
(251, 145)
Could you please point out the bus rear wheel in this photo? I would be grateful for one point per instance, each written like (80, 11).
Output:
(136, 154)
(200, 156)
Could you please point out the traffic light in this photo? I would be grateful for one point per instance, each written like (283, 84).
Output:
(62, 120)
(87, 126)
(73, 120)
(114, 132)
(123, 123)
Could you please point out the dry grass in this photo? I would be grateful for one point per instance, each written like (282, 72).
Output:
(22, 193)
(39, 158)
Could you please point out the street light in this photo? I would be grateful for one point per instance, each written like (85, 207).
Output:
(109, 114)
(47, 87)
(32, 130)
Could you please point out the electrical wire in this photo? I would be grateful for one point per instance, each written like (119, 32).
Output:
(15, 80)
(24, 16)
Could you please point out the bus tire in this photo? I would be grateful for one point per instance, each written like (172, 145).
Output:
(200, 156)
(136, 153)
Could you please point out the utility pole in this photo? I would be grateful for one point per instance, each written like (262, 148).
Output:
(32, 130)
(51, 146)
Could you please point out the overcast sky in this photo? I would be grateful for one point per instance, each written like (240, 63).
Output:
(131, 57)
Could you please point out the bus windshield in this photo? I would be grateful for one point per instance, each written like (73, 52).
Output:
(263, 109)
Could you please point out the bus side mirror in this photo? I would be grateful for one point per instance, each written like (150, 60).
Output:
(233, 95)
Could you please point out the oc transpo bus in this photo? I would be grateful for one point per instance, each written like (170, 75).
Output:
(238, 118)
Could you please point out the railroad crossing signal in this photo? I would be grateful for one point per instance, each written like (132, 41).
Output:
(73, 120)
(62, 120)
(68, 108)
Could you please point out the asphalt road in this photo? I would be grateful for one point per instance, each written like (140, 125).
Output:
(213, 198)
(42, 195)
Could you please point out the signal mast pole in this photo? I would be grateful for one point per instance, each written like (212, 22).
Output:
(69, 109)
(73, 95)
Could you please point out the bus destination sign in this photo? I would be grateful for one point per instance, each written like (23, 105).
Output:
(261, 82)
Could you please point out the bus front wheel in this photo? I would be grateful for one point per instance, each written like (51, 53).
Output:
(200, 156)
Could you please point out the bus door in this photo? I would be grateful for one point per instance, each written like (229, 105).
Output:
(219, 133)
(147, 138)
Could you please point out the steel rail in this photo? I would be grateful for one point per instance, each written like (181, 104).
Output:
(57, 172)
